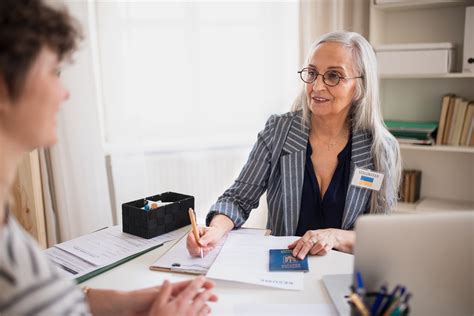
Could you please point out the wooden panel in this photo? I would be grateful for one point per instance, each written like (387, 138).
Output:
(28, 197)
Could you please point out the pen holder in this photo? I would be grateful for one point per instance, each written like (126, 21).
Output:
(149, 223)
(369, 300)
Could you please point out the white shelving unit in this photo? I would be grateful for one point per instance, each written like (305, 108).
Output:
(443, 148)
(447, 171)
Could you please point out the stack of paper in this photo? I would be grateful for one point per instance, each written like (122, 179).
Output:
(86, 256)
(178, 259)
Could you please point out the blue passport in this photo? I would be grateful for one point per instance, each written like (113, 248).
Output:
(283, 260)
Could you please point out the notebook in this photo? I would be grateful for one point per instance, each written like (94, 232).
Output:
(178, 259)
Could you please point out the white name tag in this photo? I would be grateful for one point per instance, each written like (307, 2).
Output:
(368, 179)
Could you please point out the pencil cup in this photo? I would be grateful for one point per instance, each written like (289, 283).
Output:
(148, 222)
(369, 300)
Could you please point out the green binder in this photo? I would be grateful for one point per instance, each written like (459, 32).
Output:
(94, 273)
(410, 129)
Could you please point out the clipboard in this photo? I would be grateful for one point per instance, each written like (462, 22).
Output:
(177, 258)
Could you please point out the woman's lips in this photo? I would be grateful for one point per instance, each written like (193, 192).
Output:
(319, 99)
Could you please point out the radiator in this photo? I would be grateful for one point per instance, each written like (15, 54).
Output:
(205, 174)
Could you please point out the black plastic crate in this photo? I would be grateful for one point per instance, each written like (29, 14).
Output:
(155, 222)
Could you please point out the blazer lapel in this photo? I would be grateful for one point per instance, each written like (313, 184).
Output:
(357, 198)
(292, 162)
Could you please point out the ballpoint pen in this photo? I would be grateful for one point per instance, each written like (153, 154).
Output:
(360, 285)
(379, 300)
(192, 217)
(395, 302)
(403, 308)
(389, 300)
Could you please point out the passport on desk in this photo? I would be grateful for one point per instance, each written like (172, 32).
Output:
(283, 260)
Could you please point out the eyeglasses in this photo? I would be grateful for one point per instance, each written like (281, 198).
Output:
(330, 77)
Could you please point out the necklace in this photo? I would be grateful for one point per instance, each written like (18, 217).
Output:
(333, 142)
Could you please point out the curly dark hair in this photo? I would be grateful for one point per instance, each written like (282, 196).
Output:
(26, 26)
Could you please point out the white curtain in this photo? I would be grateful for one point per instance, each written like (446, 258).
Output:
(318, 17)
(74, 175)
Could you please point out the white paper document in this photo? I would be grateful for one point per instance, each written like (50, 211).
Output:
(70, 265)
(178, 259)
(111, 244)
(245, 258)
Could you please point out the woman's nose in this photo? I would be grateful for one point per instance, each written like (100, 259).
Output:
(318, 83)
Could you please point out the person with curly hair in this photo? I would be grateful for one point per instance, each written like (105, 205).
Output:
(34, 40)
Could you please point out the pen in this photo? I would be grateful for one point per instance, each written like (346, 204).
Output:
(389, 300)
(360, 285)
(195, 228)
(403, 308)
(357, 301)
(378, 300)
(395, 302)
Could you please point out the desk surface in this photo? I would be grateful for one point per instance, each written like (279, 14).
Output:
(234, 298)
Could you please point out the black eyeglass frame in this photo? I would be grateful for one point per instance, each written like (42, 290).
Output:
(324, 78)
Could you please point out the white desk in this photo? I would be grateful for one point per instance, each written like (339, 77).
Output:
(234, 298)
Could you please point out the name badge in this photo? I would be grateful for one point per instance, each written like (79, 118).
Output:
(368, 179)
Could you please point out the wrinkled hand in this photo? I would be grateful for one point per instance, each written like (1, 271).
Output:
(210, 236)
(316, 242)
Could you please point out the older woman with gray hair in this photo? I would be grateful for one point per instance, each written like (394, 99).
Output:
(325, 163)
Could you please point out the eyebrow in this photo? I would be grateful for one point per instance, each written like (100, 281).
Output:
(330, 67)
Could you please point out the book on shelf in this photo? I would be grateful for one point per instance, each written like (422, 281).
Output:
(415, 141)
(442, 118)
(468, 119)
(455, 120)
(470, 140)
(449, 118)
(410, 186)
(410, 132)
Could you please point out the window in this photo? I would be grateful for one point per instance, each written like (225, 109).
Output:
(195, 72)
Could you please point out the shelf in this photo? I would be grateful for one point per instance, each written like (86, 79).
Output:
(431, 205)
(411, 5)
(454, 75)
(440, 148)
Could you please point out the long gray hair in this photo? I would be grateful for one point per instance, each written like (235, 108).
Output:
(365, 115)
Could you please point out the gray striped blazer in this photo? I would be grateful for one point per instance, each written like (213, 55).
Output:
(276, 165)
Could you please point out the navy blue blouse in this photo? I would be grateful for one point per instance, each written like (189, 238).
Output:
(326, 212)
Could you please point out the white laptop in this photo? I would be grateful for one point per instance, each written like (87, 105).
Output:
(430, 254)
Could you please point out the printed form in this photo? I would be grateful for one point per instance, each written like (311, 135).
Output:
(245, 258)
(178, 259)
(84, 254)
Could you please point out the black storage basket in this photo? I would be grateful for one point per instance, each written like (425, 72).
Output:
(155, 222)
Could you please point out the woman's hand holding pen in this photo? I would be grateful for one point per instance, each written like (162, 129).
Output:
(320, 242)
(209, 236)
